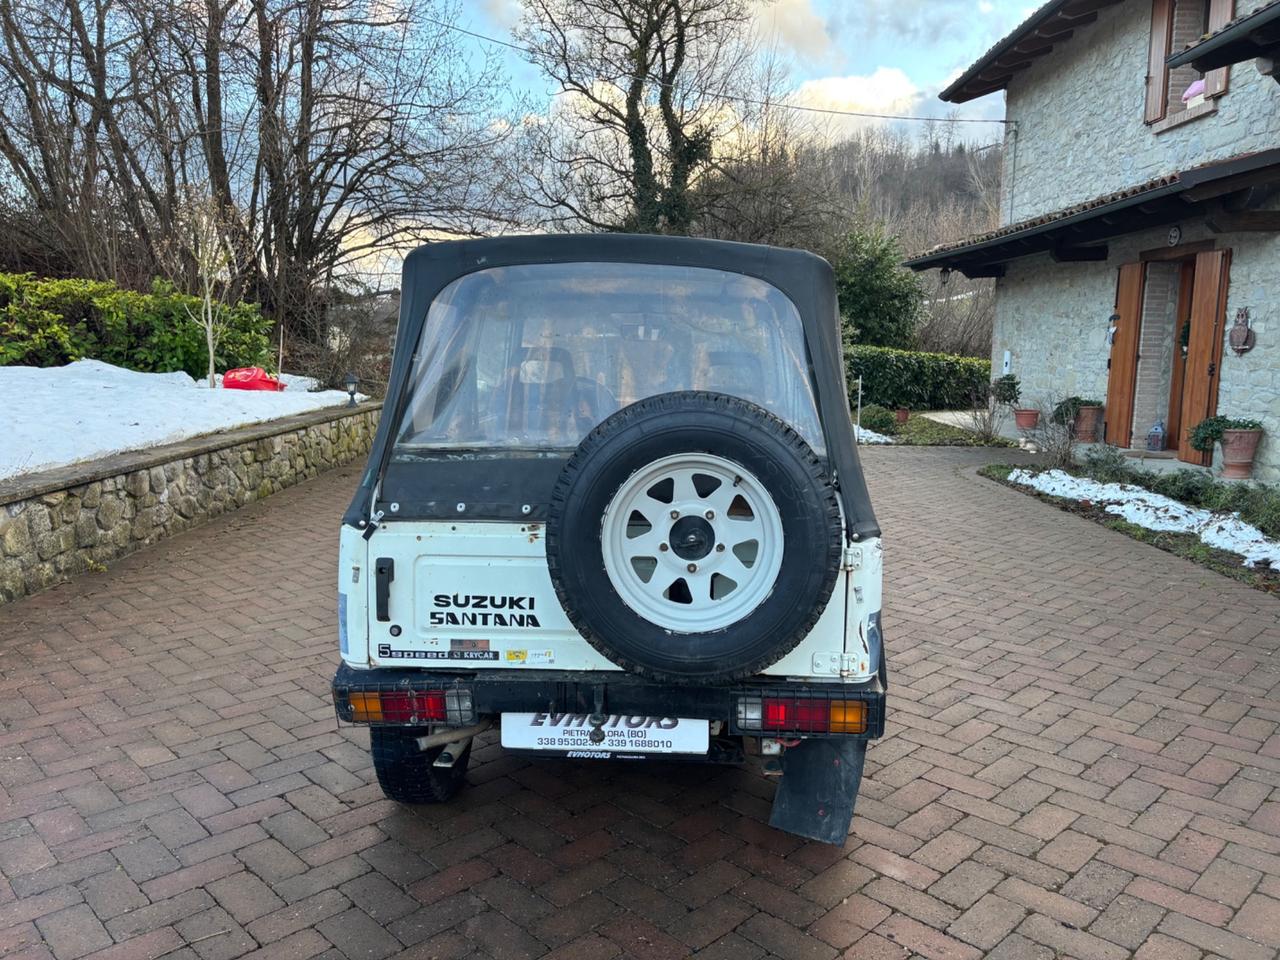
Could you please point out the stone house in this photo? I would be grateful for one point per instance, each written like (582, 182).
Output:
(1140, 213)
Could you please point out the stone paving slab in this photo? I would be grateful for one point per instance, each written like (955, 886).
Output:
(1082, 761)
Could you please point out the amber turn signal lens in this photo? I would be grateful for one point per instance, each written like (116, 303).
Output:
(848, 716)
(366, 707)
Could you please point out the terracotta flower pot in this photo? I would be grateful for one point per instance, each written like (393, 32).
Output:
(1088, 419)
(902, 414)
(1026, 419)
(1238, 448)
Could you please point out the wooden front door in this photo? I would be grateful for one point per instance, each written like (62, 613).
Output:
(1122, 368)
(1204, 348)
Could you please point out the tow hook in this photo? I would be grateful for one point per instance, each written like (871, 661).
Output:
(597, 719)
(597, 727)
(771, 751)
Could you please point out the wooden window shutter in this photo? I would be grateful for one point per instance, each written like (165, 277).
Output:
(1220, 14)
(1157, 72)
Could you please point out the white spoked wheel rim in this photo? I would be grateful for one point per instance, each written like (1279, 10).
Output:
(692, 542)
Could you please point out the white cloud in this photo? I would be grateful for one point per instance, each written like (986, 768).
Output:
(920, 20)
(929, 23)
(796, 27)
(889, 92)
(503, 13)
(886, 90)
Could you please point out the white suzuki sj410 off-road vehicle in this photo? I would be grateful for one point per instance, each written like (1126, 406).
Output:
(614, 506)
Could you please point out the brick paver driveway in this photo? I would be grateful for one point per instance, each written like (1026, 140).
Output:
(1083, 761)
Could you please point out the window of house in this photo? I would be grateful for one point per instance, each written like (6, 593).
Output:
(1174, 25)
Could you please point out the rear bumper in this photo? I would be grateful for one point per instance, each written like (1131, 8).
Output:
(470, 696)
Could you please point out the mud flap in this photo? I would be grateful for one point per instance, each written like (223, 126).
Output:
(820, 780)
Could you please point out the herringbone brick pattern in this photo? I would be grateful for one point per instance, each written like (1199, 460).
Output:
(1083, 761)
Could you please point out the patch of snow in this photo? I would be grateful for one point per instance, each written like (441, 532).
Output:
(864, 435)
(1156, 512)
(90, 409)
(295, 381)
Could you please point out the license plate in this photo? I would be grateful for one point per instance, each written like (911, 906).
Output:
(570, 732)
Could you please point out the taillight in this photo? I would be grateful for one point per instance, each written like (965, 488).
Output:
(802, 715)
(810, 716)
(398, 706)
(848, 716)
(365, 707)
(408, 706)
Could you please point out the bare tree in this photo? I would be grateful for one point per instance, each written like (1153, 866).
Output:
(202, 253)
(773, 179)
(646, 88)
(325, 131)
(60, 137)
(954, 194)
(371, 133)
(957, 315)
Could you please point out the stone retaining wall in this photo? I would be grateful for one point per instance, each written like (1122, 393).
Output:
(59, 523)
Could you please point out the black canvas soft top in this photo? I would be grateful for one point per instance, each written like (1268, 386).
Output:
(805, 278)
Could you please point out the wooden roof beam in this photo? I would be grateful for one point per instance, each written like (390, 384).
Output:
(976, 91)
(1266, 35)
(1085, 8)
(979, 271)
(1003, 74)
(1052, 31)
(1082, 20)
(1079, 254)
(1218, 188)
(1219, 219)
(1035, 46)
(993, 71)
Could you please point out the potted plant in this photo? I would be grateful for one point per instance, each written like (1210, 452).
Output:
(1008, 390)
(1084, 415)
(902, 414)
(1239, 439)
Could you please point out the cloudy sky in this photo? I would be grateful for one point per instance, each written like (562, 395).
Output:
(880, 56)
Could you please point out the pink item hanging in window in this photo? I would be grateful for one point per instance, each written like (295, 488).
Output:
(1195, 90)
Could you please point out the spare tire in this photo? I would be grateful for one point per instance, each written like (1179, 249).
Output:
(694, 538)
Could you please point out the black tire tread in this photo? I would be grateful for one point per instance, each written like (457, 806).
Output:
(405, 773)
(669, 403)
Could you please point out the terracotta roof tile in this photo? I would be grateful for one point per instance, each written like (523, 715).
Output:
(986, 74)
(1155, 183)
(1012, 228)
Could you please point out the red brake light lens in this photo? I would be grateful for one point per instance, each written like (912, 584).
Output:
(412, 706)
(796, 716)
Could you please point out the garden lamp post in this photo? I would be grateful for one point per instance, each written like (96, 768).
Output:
(351, 384)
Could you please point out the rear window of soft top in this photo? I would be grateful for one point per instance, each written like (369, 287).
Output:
(533, 356)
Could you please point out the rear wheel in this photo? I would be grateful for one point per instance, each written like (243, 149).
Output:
(405, 772)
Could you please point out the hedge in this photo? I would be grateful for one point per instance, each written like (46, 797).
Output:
(47, 323)
(921, 381)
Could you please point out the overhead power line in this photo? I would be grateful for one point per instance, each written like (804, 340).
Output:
(529, 55)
